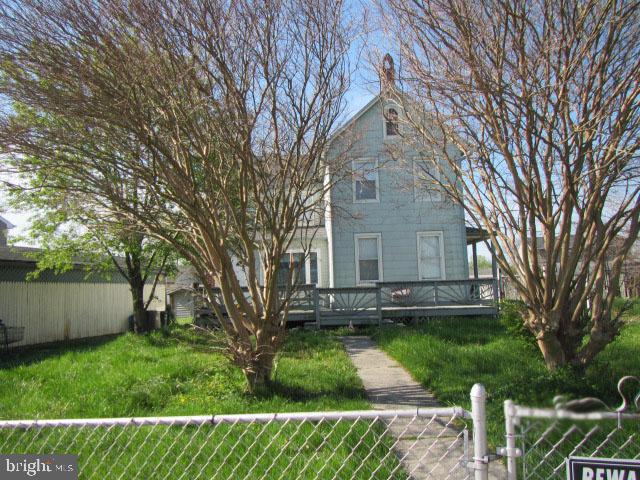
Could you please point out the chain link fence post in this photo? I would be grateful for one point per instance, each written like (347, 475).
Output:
(510, 430)
(479, 415)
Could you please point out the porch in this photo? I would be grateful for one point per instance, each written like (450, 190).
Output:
(386, 301)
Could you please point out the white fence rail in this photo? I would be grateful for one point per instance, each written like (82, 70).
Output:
(419, 443)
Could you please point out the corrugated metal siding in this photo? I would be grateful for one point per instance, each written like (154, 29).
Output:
(159, 302)
(66, 309)
(397, 217)
(59, 311)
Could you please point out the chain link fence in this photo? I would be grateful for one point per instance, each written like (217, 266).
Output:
(540, 440)
(423, 443)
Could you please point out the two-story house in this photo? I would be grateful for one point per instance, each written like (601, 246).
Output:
(381, 222)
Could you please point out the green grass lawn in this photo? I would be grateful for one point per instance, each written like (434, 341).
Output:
(172, 373)
(184, 320)
(182, 373)
(449, 355)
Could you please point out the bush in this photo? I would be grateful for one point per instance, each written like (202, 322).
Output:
(631, 306)
(511, 318)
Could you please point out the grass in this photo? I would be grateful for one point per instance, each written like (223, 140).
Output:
(449, 355)
(178, 372)
(184, 320)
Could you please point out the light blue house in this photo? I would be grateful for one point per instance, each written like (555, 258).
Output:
(381, 222)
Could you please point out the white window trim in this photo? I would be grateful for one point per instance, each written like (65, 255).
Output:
(420, 196)
(386, 108)
(432, 233)
(307, 263)
(353, 180)
(378, 237)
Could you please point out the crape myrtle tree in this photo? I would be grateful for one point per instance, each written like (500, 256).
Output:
(71, 227)
(531, 111)
(219, 110)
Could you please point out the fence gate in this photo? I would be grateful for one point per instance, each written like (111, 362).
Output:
(540, 440)
(423, 443)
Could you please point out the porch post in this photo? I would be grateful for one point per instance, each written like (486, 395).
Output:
(494, 272)
(475, 259)
(379, 303)
(316, 305)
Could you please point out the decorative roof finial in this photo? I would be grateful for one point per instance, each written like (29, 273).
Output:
(388, 74)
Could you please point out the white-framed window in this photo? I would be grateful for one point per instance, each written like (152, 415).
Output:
(368, 258)
(391, 121)
(431, 256)
(366, 188)
(305, 269)
(426, 176)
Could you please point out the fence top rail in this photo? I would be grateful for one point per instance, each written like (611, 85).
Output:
(559, 414)
(197, 420)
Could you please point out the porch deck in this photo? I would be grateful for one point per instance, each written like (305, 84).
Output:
(326, 307)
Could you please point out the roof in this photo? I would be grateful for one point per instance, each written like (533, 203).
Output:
(13, 254)
(184, 280)
(475, 234)
(18, 254)
(7, 224)
(355, 117)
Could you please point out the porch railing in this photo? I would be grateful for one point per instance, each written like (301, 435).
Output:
(370, 304)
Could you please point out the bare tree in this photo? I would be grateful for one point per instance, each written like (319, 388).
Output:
(219, 110)
(530, 109)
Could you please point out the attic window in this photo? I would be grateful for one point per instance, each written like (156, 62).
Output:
(391, 123)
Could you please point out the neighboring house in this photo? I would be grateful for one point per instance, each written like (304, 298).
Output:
(181, 292)
(380, 223)
(185, 291)
(74, 304)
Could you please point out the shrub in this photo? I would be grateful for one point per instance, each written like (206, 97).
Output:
(511, 317)
(631, 306)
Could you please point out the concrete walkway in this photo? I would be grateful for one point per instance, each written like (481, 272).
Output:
(429, 448)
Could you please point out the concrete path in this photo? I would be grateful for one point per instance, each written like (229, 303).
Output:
(429, 448)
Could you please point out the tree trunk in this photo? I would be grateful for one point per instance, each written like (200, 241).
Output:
(258, 371)
(552, 352)
(139, 312)
(258, 375)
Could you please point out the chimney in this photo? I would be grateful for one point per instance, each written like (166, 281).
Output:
(5, 226)
(387, 73)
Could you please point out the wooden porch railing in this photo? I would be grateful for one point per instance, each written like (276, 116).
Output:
(370, 304)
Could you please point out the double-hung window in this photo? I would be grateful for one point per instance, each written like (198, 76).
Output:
(368, 258)
(430, 256)
(301, 269)
(365, 181)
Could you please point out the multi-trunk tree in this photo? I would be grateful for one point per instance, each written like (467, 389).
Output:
(220, 111)
(534, 107)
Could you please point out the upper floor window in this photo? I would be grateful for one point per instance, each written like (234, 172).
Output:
(365, 181)
(392, 127)
(426, 178)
